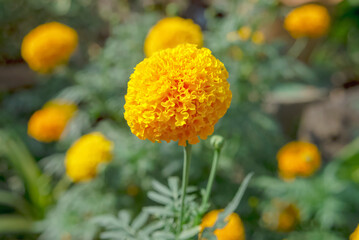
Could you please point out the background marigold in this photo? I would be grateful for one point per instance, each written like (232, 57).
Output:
(283, 216)
(49, 123)
(177, 94)
(234, 229)
(298, 159)
(85, 155)
(48, 46)
(355, 234)
(308, 21)
(170, 32)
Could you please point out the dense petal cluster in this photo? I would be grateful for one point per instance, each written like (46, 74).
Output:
(85, 155)
(170, 32)
(234, 230)
(49, 123)
(177, 94)
(48, 46)
(298, 159)
(355, 234)
(282, 217)
(308, 21)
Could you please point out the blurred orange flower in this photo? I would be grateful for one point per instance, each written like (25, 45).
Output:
(298, 159)
(282, 216)
(48, 123)
(355, 234)
(307, 21)
(170, 32)
(234, 230)
(48, 46)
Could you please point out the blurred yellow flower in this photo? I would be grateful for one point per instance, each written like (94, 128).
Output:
(177, 94)
(232, 36)
(49, 123)
(355, 234)
(48, 46)
(298, 159)
(283, 216)
(170, 32)
(244, 33)
(234, 229)
(310, 20)
(86, 154)
(258, 37)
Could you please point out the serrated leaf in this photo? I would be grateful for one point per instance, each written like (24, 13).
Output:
(140, 220)
(159, 198)
(189, 233)
(162, 189)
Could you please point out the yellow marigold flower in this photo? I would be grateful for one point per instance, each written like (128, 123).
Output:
(48, 46)
(234, 229)
(177, 94)
(258, 37)
(86, 154)
(355, 234)
(308, 21)
(49, 123)
(244, 33)
(170, 32)
(298, 159)
(283, 217)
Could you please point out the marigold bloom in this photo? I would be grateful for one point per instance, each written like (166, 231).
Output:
(244, 33)
(86, 154)
(258, 37)
(170, 32)
(298, 159)
(234, 229)
(308, 21)
(177, 94)
(49, 123)
(48, 46)
(283, 217)
(355, 234)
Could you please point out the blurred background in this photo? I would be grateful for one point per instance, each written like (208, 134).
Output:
(294, 76)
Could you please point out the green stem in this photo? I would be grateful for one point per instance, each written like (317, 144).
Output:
(186, 164)
(298, 47)
(211, 178)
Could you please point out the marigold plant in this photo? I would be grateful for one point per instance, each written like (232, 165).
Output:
(170, 32)
(86, 154)
(283, 216)
(233, 230)
(298, 159)
(48, 46)
(177, 94)
(308, 21)
(355, 234)
(49, 123)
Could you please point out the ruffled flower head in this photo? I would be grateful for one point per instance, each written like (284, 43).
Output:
(177, 94)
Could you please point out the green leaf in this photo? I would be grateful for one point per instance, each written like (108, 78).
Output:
(14, 224)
